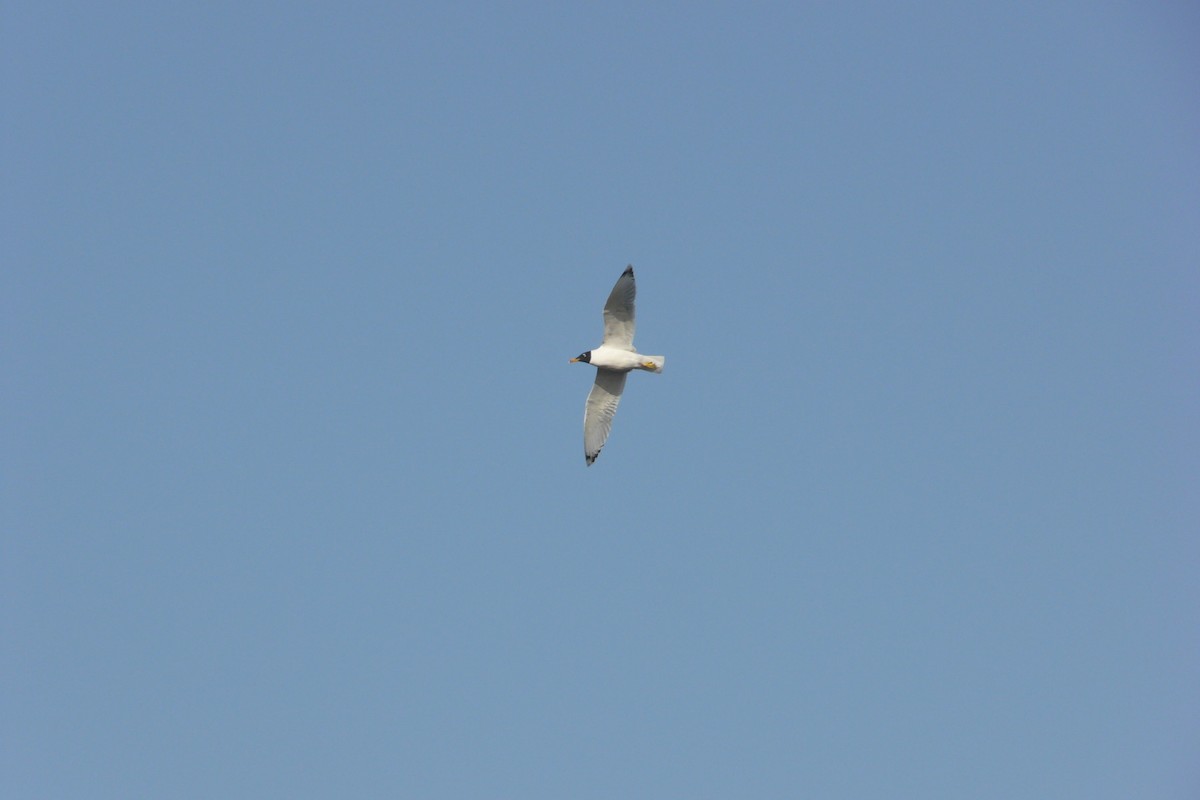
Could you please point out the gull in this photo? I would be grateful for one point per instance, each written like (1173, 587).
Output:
(613, 360)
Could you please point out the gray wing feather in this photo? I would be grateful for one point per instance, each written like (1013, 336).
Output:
(601, 407)
(619, 322)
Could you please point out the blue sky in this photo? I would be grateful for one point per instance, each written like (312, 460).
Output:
(294, 499)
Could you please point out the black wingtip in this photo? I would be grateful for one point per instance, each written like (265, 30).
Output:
(628, 270)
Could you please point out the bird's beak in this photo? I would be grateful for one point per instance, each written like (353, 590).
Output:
(573, 360)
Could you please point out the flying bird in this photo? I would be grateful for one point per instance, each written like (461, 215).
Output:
(613, 360)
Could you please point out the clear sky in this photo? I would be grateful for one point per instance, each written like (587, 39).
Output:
(293, 497)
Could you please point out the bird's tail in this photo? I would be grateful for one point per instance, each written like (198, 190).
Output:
(653, 363)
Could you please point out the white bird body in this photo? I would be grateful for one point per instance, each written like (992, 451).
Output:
(620, 360)
(614, 359)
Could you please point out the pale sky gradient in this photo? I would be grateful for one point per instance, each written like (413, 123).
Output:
(293, 495)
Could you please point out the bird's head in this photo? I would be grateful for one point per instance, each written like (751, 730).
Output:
(584, 357)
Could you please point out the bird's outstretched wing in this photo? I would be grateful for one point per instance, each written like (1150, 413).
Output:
(619, 319)
(600, 409)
